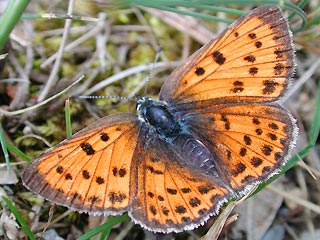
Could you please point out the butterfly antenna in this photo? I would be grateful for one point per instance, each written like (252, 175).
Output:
(105, 97)
(152, 70)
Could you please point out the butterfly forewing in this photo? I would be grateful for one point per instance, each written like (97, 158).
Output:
(251, 61)
(93, 170)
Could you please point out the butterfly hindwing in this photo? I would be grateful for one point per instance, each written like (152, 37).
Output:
(250, 142)
(93, 170)
(173, 197)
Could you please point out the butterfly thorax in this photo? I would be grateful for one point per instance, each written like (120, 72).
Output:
(157, 115)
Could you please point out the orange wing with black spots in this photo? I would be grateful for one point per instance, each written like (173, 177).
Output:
(171, 196)
(93, 170)
(250, 61)
(250, 142)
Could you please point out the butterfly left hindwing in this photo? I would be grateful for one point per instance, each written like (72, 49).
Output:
(172, 196)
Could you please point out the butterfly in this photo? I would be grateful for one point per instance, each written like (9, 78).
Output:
(216, 132)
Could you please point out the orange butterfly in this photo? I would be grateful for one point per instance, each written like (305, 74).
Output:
(215, 134)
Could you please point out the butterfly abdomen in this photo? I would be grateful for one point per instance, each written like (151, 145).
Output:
(195, 153)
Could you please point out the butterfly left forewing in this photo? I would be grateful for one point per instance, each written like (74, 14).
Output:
(93, 170)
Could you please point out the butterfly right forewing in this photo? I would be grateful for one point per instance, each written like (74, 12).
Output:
(251, 61)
